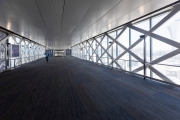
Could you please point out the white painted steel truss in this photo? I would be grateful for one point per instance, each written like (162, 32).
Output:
(87, 51)
(28, 50)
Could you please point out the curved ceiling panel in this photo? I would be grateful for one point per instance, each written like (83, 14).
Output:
(62, 23)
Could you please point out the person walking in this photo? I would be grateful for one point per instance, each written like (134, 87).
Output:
(47, 55)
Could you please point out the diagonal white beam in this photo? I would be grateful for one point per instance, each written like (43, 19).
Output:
(165, 57)
(24, 42)
(173, 12)
(158, 60)
(100, 41)
(14, 39)
(94, 52)
(138, 69)
(99, 58)
(159, 74)
(105, 51)
(83, 46)
(124, 28)
(97, 48)
(108, 54)
(5, 38)
(3, 46)
(2, 61)
(91, 40)
(89, 50)
(158, 37)
(138, 58)
(86, 49)
(137, 42)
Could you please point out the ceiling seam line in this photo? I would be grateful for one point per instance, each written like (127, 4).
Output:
(42, 17)
(123, 16)
(129, 12)
(126, 22)
(62, 17)
(14, 9)
(102, 16)
(80, 19)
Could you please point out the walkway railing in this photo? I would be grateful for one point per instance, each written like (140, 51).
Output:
(16, 62)
(132, 66)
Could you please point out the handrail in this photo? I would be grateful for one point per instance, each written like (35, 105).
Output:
(17, 61)
(134, 61)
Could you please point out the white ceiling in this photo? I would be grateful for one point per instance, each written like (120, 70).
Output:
(59, 25)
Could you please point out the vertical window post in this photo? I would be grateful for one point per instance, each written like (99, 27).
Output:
(151, 48)
(130, 66)
(143, 36)
(116, 48)
(107, 51)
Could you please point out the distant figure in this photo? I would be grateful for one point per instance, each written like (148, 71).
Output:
(47, 55)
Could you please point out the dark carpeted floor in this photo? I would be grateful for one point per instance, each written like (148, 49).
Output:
(68, 88)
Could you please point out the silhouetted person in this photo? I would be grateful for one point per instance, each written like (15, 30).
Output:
(47, 55)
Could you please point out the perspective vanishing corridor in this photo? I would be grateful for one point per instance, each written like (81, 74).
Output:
(88, 91)
(90, 60)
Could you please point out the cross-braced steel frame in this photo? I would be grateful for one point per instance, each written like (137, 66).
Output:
(93, 49)
(28, 51)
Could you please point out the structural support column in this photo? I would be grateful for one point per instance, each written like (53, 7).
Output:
(144, 37)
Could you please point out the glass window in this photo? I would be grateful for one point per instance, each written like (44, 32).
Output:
(169, 67)
(104, 57)
(124, 40)
(99, 49)
(2, 57)
(18, 39)
(94, 51)
(114, 50)
(110, 51)
(170, 30)
(139, 48)
(173, 73)
(11, 40)
(90, 49)
(104, 42)
(84, 51)
(112, 34)
(113, 46)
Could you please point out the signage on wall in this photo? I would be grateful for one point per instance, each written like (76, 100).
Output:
(15, 50)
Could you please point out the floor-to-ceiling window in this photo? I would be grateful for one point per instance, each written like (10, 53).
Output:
(149, 48)
(16, 51)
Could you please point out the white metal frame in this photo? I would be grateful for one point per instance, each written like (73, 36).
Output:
(128, 50)
(7, 62)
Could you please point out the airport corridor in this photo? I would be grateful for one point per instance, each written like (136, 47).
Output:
(68, 88)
